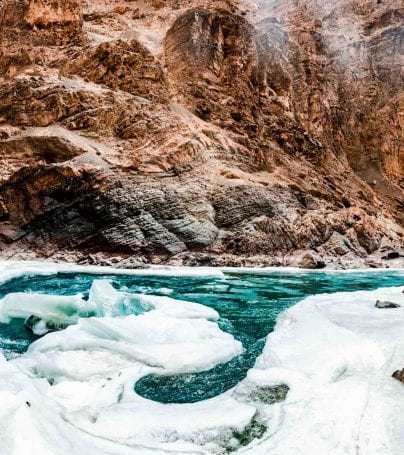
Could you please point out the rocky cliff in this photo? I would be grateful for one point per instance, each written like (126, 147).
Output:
(201, 131)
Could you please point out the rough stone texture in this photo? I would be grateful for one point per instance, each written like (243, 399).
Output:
(127, 66)
(399, 375)
(354, 97)
(309, 262)
(49, 22)
(53, 144)
(201, 132)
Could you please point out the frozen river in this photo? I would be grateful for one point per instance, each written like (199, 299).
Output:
(180, 361)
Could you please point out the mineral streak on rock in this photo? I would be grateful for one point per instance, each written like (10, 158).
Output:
(178, 130)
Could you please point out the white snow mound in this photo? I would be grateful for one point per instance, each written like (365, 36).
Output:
(337, 353)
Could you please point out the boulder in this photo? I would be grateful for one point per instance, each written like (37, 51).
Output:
(399, 375)
(200, 260)
(386, 304)
(310, 262)
(338, 244)
(392, 255)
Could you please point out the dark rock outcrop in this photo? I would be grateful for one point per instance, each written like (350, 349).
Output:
(399, 375)
(386, 304)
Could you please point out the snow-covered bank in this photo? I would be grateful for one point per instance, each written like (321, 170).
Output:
(74, 389)
(271, 270)
(15, 269)
(337, 353)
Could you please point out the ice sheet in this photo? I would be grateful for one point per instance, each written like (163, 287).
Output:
(31, 422)
(14, 269)
(180, 345)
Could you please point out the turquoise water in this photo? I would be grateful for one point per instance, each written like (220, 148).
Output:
(247, 303)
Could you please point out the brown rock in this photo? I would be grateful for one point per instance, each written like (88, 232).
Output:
(52, 144)
(309, 262)
(41, 21)
(127, 66)
(399, 375)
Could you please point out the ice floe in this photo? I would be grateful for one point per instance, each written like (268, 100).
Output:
(44, 312)
(110, 302)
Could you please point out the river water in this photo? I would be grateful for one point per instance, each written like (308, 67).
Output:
(248, 305)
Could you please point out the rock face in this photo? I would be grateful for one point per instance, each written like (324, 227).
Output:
(201, 129)
(351, 55)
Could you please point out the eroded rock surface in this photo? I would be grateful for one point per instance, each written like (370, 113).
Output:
(40, 22)
(184, 130)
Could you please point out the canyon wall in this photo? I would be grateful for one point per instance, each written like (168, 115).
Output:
(201, 131)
